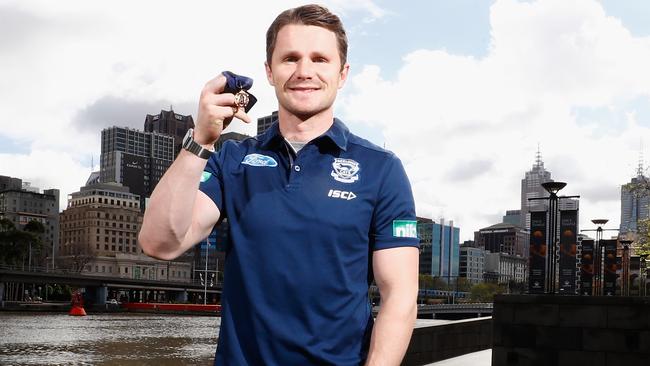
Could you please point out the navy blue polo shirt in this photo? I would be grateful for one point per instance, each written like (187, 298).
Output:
(303, 228)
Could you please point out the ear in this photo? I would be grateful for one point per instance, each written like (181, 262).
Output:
(269, 73)
(344, 75)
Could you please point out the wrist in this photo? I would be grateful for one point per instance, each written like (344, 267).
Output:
(204, 151)
(201, 140)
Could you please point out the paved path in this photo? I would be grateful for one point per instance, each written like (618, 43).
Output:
(480, 358)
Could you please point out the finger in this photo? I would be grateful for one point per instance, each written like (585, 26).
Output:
(224, 99)
(241, 115)
(222, 112)
(215, 86)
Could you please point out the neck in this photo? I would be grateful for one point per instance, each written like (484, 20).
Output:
(297, 129)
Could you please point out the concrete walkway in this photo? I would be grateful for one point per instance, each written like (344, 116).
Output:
(480, 358)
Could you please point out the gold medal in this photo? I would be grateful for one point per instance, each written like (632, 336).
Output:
(241, 99)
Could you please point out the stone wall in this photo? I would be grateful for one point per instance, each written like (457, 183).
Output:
(438, 342)
(570, 330)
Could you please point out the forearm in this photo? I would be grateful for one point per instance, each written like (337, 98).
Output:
(392, 331)
(168, 215)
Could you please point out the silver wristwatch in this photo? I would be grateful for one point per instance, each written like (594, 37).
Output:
(192, 146)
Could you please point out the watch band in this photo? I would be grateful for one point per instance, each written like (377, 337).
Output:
(192, 146)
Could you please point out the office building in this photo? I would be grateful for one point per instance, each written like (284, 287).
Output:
(503, 238)
(263, 123)
(169, 123)
(635, 202)
(99, 237)
(531, 188)
(504, 268)
(439, 248)
(472, 263)
(135, 159)
(21, 206)
(512, 217)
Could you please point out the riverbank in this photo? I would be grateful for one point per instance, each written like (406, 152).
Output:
(153, 308)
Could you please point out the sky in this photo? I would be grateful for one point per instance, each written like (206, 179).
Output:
(463, 91)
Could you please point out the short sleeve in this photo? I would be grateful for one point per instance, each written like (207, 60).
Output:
(212, 179)
(394, 223)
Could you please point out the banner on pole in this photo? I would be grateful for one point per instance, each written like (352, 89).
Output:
(568, 239)
(537, 255)
(587, 267)
(609, 288)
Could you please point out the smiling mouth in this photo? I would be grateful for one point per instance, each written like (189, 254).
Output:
(304, 89)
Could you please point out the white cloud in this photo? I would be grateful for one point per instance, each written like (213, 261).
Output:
(59, 60)
(547, 59)
(444, 114)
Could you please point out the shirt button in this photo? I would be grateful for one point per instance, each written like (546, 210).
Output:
(296, 168)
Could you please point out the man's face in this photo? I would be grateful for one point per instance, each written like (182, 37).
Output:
(306, 69)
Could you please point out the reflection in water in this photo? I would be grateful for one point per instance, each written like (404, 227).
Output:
(107, 339)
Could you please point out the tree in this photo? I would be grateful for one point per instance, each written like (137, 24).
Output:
(484, 292)
(642, 242)
(15, 243)
(35, 231)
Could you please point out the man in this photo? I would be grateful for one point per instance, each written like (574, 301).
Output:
(311, 208)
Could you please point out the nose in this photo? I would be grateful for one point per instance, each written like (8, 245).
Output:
(304, 69)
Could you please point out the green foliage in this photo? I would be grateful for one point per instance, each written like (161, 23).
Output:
(463, 284)
(15, 243)
(642, 242)
(484, 292)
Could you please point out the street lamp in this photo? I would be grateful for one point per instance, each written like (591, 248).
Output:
(598, 254)
(552, 188)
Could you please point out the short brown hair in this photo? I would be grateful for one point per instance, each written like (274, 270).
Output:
(308, 15)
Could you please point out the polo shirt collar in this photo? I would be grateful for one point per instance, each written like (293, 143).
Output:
(337, 133)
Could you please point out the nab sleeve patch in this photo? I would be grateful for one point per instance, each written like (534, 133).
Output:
(405, 229)
(205, 176)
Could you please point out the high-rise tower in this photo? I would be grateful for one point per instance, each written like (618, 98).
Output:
(635, 201)
(169, 123)
(531, 187)
(135, 159)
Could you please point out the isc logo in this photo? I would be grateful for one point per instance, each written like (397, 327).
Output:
(335, 193)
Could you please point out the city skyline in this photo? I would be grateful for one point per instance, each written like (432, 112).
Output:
(468, 90)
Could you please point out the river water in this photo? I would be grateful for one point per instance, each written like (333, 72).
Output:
(107, 339)
(111, 339)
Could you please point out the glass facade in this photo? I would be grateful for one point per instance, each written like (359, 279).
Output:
(440, 256)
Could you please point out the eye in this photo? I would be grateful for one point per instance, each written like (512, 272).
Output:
(290, 59)
(320, 59)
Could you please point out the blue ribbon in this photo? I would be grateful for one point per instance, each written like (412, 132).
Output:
(236, 83)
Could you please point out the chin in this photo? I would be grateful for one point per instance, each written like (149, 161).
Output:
(304, 112)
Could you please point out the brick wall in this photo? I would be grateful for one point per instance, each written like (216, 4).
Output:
(438, 342)
(570, 330)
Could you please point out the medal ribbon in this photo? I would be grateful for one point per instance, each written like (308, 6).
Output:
(237, 84)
